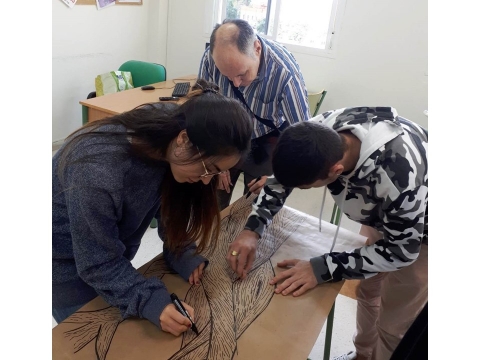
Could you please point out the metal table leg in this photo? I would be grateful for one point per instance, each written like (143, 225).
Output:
(328, 332)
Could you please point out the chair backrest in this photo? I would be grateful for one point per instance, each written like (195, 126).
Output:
(315, 101)
(144, 73)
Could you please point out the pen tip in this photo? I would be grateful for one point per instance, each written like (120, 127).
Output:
(194, 328)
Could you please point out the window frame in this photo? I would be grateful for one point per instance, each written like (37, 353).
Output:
(219, 8)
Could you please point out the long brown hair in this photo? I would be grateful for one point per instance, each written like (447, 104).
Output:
(217, 125)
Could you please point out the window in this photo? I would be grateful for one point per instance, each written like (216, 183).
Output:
(304, 25)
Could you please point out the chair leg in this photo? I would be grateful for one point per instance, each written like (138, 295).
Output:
(328, 334)
(154, 223)
(84, 114)
(328, 331)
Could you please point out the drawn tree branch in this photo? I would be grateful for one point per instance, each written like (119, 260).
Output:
(100, 325)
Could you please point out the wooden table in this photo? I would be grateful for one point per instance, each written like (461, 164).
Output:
(117, 103)
(236, 319)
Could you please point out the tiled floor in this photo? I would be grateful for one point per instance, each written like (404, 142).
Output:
(308, 201)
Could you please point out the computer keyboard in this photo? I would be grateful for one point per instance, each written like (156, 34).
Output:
(181, 89)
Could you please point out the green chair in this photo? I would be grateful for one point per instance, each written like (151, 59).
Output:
(335, 219)
(143, 73)
(315, 101)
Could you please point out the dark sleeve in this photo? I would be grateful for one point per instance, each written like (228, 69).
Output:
(98, 253)
(268, 203)
(185, 262)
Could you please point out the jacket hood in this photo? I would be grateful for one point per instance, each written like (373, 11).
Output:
(374, 126)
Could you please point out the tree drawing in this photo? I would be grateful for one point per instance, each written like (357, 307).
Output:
(224, 305)
(100, 325)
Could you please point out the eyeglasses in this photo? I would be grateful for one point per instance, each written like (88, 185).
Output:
(208, 174)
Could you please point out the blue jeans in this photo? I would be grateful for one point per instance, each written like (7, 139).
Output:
(60, 314)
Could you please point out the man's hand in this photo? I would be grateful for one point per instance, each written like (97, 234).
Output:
(299, 278)
(197, 274)
(173, 322)
(224, 181)
(256, 187)
(244, 247)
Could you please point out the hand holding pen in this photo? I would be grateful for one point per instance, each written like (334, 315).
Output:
(172, 321)
(181, 307)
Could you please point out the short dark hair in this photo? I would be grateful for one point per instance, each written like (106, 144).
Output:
(305, 152)
(243, 40)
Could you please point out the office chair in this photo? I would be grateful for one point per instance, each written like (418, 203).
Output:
(143, 73)
(315, 101)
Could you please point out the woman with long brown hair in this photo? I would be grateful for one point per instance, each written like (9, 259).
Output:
(113, 176)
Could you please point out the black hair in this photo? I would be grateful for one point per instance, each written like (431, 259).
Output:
(243, 40)
(305, 152)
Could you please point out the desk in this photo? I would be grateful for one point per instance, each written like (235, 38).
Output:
(117, 103)
(236, 319)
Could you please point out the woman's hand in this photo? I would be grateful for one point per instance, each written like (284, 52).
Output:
(196, 275)
(173, 322)
(256, 187)
(224, 181)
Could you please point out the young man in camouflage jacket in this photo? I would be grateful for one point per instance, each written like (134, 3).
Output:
(374, 163)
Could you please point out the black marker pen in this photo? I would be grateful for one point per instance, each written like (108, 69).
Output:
(178, 304)
(168, 98)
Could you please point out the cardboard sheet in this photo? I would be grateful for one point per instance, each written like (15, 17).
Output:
(237, 319)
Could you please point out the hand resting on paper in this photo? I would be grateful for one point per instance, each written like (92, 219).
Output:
(197, 274)
(172, 321)
(245, 247)
(298, 278)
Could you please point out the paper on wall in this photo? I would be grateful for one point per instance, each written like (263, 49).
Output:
(101, 4)
(69, 3)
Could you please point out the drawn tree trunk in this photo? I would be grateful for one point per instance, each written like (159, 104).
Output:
(225, 306)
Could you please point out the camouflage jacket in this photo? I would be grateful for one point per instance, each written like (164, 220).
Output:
(387, 190)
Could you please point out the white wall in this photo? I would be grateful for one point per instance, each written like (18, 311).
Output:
(381, 57)
(186, 35)
(87, 42)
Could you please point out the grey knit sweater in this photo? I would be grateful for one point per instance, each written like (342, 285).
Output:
(101, 209)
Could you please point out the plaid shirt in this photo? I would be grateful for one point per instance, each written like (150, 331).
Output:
(278, 93)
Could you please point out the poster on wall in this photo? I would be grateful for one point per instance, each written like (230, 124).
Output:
(102, 4)
(69, 3)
